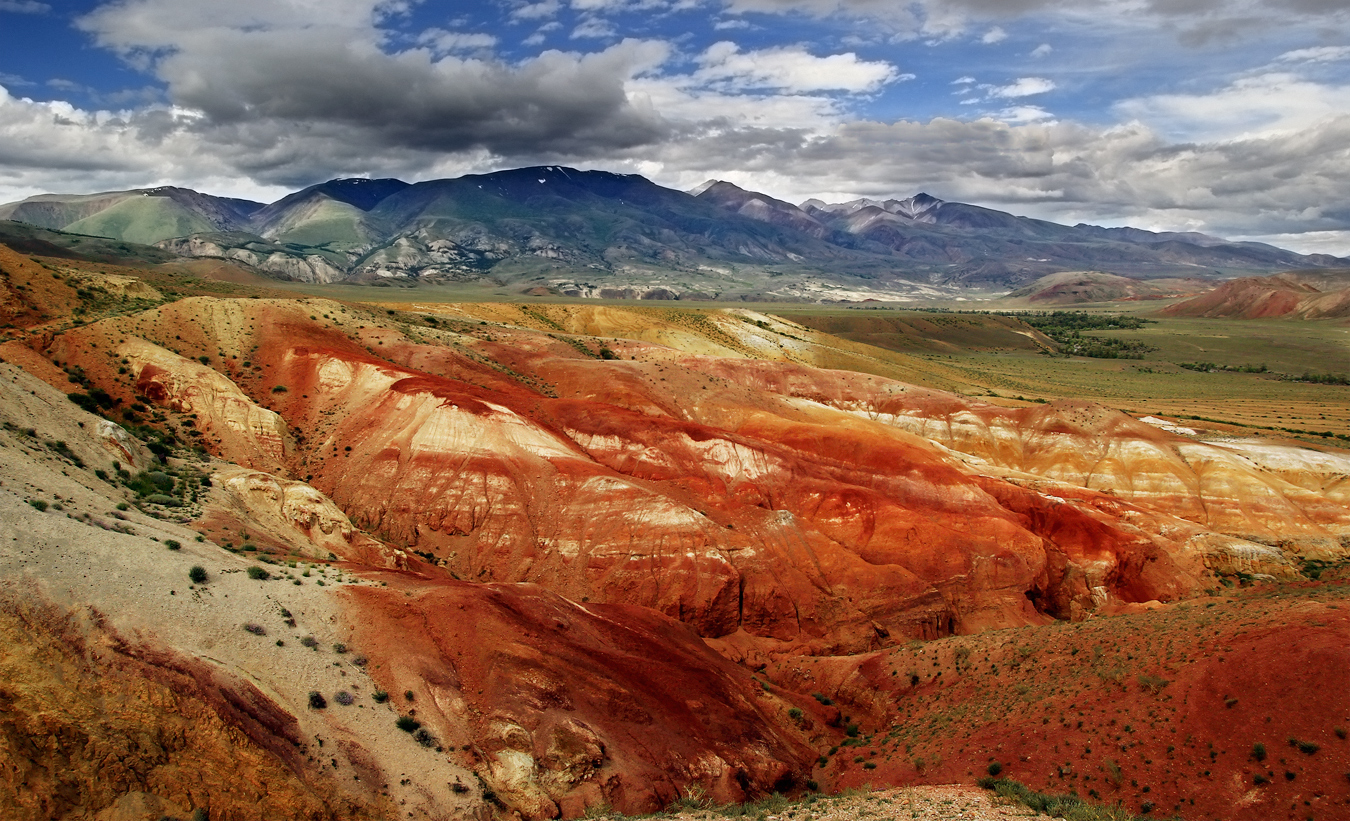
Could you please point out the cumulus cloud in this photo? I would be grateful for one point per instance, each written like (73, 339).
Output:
(793, 69)
(994, 35)
(1042, 50)
(269, 70)
(542, 10)
(1261, 105)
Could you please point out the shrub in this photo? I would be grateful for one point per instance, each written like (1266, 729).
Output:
(407, 723)
(424, 738)
(309, 641)
(1305, 747)
(851, 730)
(995, 768)
(380, 696)
(871, 765)
(279, 389)
(344, 698)
(162, 499)
(822, 698)
(258, 574)
(173, 544)
(795, 714)
(1056, 806)
(255, 629)
(316, 700)
(408, 694)
(38, 504)
(339, 648)
(197, 574)
(1259, 751)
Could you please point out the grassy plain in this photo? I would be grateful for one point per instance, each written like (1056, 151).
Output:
(1005, 367)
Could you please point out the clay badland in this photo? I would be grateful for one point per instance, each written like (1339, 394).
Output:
(477, 560)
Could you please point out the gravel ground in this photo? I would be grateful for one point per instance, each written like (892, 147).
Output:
(923, 803)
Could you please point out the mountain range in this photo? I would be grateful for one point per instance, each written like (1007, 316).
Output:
(558, 230)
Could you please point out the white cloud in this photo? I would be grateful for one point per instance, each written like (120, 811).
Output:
(536, 11)
(1193, 22)
(1335, 243)
(1023, 114)
(1319, 54)
(1255, 106)
(1042, 50)
(595, 28)
(24, 6)
(963, 80)
(1023, 87)
(792, 69)
(446, 42)
(994, 35)
(541, 34)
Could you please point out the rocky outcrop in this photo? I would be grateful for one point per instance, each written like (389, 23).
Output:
(569, 706)
(299, 516)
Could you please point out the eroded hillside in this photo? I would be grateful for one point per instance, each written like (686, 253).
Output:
(576, 550)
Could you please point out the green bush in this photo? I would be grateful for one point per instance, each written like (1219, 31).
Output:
(316, 700)
(38, 504)
(380, 696)
(1055, 806)
(173, 544)
(1259, 751)
(197, 574)
(407, 723)
(995, 768)
(258, 574)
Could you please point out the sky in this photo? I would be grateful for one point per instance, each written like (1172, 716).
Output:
(1230, 117)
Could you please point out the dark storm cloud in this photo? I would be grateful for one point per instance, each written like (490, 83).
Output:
(268, 64)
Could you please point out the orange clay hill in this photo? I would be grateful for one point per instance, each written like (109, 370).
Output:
(499, 560)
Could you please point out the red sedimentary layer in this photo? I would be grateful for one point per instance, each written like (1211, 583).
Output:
(625, 510)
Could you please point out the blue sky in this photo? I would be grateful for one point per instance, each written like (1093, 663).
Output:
(1226, 116)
